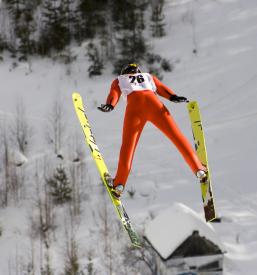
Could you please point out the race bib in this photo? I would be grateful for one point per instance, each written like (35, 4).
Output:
(136, 82)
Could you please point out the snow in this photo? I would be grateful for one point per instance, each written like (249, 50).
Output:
(17, 158)
(180, 221)
(222, 76)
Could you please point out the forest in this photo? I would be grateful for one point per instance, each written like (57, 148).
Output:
(113, 32)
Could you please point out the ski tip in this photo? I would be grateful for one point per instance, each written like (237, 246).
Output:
(191, 105)
(75, 96)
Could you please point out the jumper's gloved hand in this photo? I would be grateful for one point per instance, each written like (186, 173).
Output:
(105, 108)
(178, 99)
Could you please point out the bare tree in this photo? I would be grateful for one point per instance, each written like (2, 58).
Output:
(43, 224)
(5, 148)
(110, 229)
(17, 135)
(31, 266)
(75, 171)
(21, 130)
(71, 253)
(157, 18)
(13, 172)
(81, 186)
(191, 19)
(27, 262)
(46, 216)
(56, 126)
(46, 269)
(144, 259)
(90, 265)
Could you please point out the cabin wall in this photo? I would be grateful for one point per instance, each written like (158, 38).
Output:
(203, 265)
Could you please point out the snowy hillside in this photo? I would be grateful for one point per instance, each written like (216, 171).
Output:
(212, 45)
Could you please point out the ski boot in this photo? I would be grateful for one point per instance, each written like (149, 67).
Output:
(108, 180)
(117, 190)
(202, 176)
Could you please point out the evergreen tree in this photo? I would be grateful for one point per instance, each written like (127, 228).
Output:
(70, 17)
(2, 44)
(21, 13)
(60, 186)
(157, 18)
(96, 66)
(157, 64)
(166, 66)
(128, 19)
(55, 34)
(25, 30)
(14, 8)
(92, 15)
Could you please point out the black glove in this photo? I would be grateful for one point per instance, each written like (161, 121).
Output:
(178, 99)
(105, 108)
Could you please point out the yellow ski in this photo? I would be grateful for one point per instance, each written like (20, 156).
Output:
(199, 140)
(102, 169)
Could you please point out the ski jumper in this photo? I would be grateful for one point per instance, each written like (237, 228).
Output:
(143, 105)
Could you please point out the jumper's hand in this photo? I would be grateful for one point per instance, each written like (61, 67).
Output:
(105, 108)
(178, 99)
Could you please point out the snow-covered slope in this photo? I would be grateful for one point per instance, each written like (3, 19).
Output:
(221, 75)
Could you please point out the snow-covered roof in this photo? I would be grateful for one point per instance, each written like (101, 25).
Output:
(172, 226)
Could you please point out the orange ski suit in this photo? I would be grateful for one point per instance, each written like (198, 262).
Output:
(143, 106)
